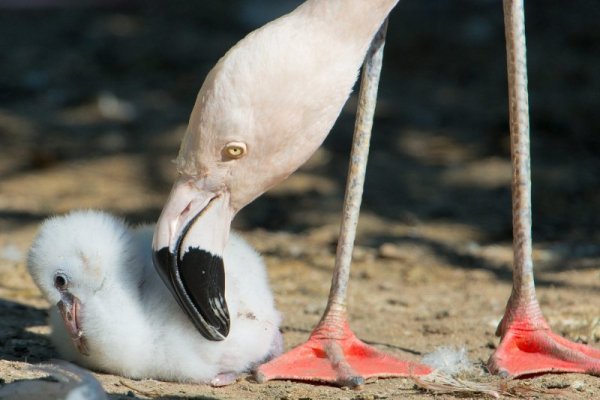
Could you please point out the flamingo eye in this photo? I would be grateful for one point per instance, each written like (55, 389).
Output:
(61, 282)
(234, 150)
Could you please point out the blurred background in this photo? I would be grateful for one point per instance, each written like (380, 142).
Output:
(110, 84)
(94, 100)
(95, 96)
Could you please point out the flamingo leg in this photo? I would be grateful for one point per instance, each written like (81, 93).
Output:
(333, 354)
(528, 346)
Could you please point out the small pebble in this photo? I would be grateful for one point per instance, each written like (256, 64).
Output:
(391, 251)
(578, 385)
(365, 396)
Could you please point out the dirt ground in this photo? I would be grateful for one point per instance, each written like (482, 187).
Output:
(94, 102)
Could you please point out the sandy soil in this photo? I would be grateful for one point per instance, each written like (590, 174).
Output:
(93, 103)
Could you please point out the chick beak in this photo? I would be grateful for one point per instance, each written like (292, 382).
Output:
(188, 246)
(69, 307)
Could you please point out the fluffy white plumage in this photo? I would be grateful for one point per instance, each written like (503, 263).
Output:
(131, 323)
(449, 360)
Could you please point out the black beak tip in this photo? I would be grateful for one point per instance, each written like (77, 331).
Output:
(198, 283)
(162, 263)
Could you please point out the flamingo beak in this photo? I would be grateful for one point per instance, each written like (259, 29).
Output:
(188, 246)
(69, 307)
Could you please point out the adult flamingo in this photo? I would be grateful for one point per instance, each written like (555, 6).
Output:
(262, 111)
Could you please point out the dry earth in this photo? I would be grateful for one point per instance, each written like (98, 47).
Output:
(93, 103)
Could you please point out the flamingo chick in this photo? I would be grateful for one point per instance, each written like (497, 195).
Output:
(114, 313)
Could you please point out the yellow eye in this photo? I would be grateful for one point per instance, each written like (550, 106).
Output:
(234, 150)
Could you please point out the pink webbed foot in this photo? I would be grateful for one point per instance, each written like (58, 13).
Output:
(527, 350)
(340, 359)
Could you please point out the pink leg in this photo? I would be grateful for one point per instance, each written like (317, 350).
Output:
(333, 354)
(528, 346)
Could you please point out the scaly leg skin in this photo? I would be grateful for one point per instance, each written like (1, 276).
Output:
(333, 354)
(528, 346)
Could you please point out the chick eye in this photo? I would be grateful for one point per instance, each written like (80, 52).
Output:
(61, 282)
(234, 150)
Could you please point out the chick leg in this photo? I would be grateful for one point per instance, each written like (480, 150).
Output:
(333, 354)
(528, 346)
(224, 379)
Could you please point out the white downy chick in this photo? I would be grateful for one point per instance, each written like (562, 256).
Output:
(116, 315)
